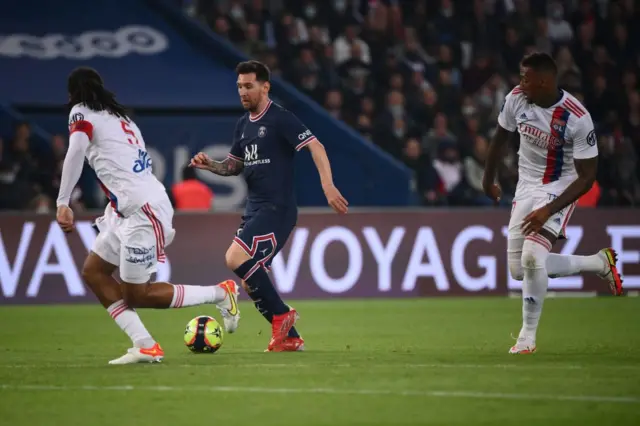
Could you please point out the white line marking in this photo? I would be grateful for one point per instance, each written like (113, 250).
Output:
(390, 365)
(332, 391)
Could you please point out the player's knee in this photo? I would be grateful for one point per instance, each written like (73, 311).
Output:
(134, 295)
(516, 271)
(235, 257)
(534, 255)
(92, 272)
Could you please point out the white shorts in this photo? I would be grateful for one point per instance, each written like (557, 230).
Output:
(135, 243)
(530, 197)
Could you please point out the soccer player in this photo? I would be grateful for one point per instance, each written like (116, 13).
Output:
(265, 141)
(137, 224)
(558, 159)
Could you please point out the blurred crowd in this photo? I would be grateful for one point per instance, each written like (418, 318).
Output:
(424, 79)
(30, 176)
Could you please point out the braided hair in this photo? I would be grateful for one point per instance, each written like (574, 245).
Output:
(85, 86)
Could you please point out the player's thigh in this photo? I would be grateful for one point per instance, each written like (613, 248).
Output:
(520, 208)
(106, 246)
(140, 250)
(557, 223)
(258, 237)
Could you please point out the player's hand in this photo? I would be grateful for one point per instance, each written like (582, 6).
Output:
(64, 216)
(534, 221)
(200, 161)
(335, 199)
(494, 192)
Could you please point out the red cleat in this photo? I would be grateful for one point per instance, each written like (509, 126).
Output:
(291, 344)
(280, 326)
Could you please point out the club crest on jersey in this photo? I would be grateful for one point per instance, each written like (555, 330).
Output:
(591, 138)
(559, 125)
(262, 132)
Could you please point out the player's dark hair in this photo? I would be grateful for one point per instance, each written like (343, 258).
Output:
(254, 67)
(540, 61)
(85, 86)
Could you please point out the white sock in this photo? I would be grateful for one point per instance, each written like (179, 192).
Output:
(192, 295)
(559, 265)
(129, 321)
(534, 287)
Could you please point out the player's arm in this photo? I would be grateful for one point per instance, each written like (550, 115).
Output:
(504, 131)
(585, 159)
(81, 132)
(298, 136)
(230, 166)
(72, 166)
(321, 160)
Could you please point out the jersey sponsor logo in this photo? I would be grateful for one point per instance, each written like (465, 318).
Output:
(111, 44)
(262, 132)
(142, 163)
(591, 138)
(539, 138)
(140, 255)
(251, 152)
(304, 135)
(251, 156)
(523, 117)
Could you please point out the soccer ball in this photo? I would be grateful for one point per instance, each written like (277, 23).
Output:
(203, 335)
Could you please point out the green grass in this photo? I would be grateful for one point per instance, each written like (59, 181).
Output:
(437, 361)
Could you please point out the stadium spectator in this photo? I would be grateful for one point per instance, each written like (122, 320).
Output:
(437, 71)
(191, 194)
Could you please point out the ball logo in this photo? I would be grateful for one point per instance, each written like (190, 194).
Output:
(138, 39)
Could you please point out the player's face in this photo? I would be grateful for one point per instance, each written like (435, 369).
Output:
(251, 91)
(529, 83)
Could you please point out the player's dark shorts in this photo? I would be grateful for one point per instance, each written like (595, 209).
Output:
(265, 231)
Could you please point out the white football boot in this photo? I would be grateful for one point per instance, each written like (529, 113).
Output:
(524, 345)
(229, 308)
(139, 355)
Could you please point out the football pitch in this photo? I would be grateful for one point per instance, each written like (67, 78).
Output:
(390, 362)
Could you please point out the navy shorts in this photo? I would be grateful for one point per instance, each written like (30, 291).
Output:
(264, 232)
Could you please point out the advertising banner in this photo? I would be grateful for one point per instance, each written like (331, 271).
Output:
(365, 254)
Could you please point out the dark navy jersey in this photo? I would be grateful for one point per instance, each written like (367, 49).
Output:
(267, 145)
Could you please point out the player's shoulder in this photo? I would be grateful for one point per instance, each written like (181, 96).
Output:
(516, 94)
(574, 107)
(80, 112)
(279, 112)
(515, 98)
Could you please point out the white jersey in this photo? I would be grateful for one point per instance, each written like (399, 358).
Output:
(118, 155)
(550, 138)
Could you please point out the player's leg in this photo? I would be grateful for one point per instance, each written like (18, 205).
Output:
(602, 263)
(98, 272)
(255, 245)
(144, 237)
(521, 206)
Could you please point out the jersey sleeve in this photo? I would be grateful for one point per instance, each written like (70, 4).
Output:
(294, 131)
(80, 120)
(507, 115)
(585, 142)
(236, 149)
